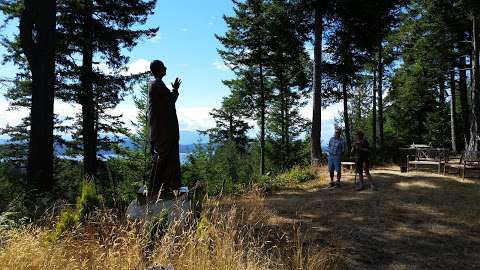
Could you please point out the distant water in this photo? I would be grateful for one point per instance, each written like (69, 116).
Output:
(183, 157)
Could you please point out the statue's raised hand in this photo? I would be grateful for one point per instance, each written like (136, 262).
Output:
(176, 84)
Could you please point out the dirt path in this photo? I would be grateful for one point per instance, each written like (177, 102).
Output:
(413, 221)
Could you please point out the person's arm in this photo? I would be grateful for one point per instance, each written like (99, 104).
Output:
(175, 94)
(175, 86)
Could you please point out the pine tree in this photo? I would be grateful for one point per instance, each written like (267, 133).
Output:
(99, 30)
(289, 70)
(245, 51)
(230, 124)
(110, 35)
(37, 41)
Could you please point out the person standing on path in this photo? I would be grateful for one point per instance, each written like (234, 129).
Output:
(360, 149)
(336, 147)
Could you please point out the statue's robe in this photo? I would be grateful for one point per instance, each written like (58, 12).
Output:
(164, 136)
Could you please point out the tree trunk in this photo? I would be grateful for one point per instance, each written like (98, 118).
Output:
(316, 135)
(358, 116)
(230, 127)
(345, 117)
(462, 87)
(374, 111)
(473, 145)
(262, 121)
(37, 39)
(441, 88)
(283, 105)
(87, 97)
(453, 115)
(380, 94)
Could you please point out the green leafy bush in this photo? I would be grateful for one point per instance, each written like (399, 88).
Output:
(298, 174)
(89, 199)
(87, 202)
(68, 220)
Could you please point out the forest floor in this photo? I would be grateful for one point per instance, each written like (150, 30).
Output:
(413, 221)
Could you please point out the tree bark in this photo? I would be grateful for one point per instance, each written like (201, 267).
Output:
(283, 94)
(473, 145)
(374, 111)
(380, 94)
(287, 128)
(87, 96)
(262, 120)
(453, 114)
(316, 135)
(462, 87)
(345, 116)
(441, 88)
(37, 39)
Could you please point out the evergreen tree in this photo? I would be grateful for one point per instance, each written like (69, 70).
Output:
(425, 38)
(99, 30)
(37, 42)
(230, 124)
(289, 70)
(245, 50)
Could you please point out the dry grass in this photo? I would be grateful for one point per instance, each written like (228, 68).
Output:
(415, 221)
(230, 235)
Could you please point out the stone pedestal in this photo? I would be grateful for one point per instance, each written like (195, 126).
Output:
(177, 208)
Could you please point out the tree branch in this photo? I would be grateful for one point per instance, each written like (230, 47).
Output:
(26, 31)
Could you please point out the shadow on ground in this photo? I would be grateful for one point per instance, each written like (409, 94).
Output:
(413, 221)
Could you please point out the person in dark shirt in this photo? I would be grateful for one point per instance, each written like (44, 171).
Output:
(164, 133)
(361, 150)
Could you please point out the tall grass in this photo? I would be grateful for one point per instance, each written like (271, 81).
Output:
(228, 236)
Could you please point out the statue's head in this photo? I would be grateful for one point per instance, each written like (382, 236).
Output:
(158, 69)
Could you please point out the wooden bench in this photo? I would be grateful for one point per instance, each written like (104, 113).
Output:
(349, 164)
(428, 156)
(469, 160)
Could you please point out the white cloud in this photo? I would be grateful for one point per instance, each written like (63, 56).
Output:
(66, 109)
(195, 118)
(10, 117)
(220, 65)
(189, 118)
(138, 66)
(328, 113)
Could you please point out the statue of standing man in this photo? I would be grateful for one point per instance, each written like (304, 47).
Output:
(164, 133)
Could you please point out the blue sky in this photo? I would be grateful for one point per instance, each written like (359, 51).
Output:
(188, 47)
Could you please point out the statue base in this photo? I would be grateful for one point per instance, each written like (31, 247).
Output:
(177, 208)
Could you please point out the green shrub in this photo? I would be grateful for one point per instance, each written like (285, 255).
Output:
(89, 199)
(298, 174)
(68, 220)
(87, 202)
